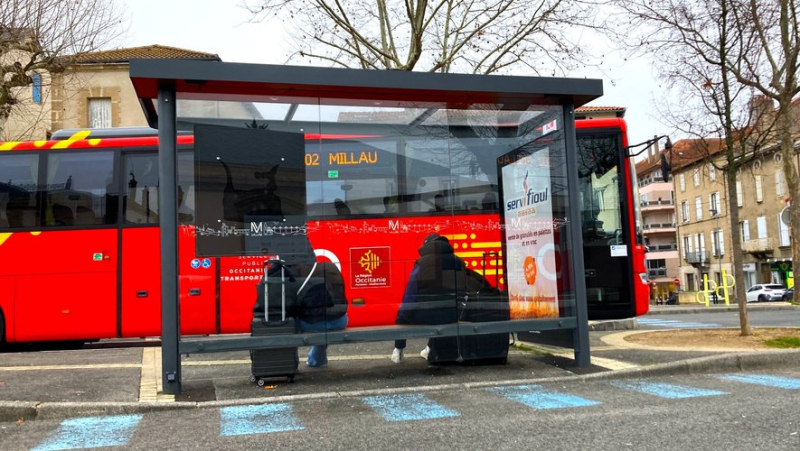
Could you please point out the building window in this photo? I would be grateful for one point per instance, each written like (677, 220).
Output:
(684, 211)
(761, 224)
(698, 206)
(686, 247)
(759, 189)
(683, 182)
(739, 195)
(100, 112)
(712, 172)
(744, 229)
(714, 203)
(36, 87)
(696, 177)
(718, 243)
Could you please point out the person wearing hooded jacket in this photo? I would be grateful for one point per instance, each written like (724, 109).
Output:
(437, 283)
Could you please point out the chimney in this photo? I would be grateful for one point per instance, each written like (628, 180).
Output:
(760, 108)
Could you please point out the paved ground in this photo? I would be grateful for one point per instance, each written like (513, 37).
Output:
(60, 383)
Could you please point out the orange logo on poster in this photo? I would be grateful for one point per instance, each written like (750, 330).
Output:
(369, 261)
(529, 270)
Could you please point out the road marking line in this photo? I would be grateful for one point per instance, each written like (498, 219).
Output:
(261, 419)
(662, 390)
(535, 396)
(767, 381)
(408, 407)
(92, 432)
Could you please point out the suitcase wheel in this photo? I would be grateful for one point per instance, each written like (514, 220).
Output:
(252, 379)
(260, 382)
(291, 379)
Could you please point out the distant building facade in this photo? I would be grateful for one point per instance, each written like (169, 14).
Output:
(659, 227)
(95, 91)
(704, 225)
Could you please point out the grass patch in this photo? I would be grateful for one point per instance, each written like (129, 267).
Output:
(783, 342)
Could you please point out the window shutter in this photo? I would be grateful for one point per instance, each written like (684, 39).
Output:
(783, 232)
(739, 195)
(759, 189)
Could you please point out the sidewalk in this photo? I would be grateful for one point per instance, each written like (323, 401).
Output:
(58, 384)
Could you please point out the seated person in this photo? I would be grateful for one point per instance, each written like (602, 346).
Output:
(322, 306)
(314, 294)
(432, 291)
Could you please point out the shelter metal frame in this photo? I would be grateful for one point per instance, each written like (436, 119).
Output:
(160, 82)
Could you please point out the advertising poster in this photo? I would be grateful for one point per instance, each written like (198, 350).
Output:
(531, 272)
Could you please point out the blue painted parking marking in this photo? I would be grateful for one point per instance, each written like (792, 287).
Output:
(662, 390)
(673, 323)
(91, 432)
(537, 397)
(768, 381)
(262, 419)
(408, 407)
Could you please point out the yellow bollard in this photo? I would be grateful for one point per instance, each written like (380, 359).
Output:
(725, 286)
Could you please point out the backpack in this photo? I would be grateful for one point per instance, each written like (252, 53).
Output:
(321, 296)
(281, 282)
(313, 293)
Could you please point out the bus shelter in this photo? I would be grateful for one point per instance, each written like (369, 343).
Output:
(359, 168)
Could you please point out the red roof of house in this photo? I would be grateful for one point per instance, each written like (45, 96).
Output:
(150, 51)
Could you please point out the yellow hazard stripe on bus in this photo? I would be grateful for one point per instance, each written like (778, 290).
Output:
(78, 136)
(8, 145)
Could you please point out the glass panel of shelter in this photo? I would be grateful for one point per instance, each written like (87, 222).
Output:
(379, 180)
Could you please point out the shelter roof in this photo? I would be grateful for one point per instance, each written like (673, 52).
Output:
(215, 80)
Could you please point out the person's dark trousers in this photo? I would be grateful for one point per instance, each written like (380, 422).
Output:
(400, 344)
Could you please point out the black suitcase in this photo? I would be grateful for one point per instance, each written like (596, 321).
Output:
(489, 348)
(485, 305)
(279, 362)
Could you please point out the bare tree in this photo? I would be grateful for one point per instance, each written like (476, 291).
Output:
(698, 45)
(483, 36)
(39, 37)
(772, 31)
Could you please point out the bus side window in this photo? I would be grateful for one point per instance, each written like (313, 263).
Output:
(140, 198)
(77, 188)
(18, 184)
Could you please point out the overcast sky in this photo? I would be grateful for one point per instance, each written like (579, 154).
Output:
(220, 26)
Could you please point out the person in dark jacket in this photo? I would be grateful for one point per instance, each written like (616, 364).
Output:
(435, 286)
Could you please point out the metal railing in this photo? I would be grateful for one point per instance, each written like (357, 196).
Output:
(662, 247)
(697, 257)
(653, 203)
(664, 225)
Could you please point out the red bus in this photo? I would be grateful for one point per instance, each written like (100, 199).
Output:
(79, 238)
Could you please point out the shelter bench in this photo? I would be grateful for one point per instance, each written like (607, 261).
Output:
(197, 345)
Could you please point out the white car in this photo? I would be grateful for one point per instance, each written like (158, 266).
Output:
(765, 292)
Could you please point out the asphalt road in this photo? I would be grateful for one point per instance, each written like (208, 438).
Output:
(704, 411)
(757, 318)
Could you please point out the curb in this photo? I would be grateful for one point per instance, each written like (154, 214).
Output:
(681, 309)
(740, 361)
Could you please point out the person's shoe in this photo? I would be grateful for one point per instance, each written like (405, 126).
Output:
(424, 353)
(397, 355)
(314, 361)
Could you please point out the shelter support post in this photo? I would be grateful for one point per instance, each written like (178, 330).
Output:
(580, 338)
(168, 222)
